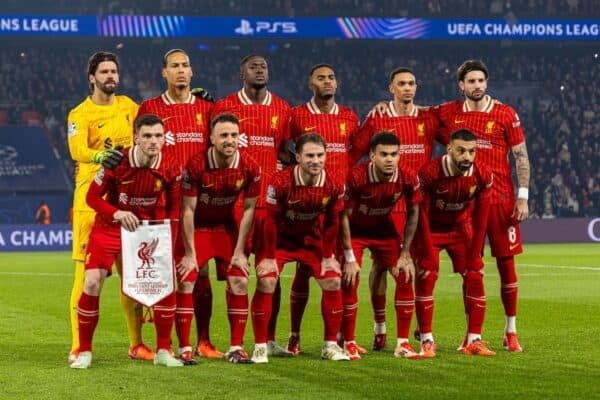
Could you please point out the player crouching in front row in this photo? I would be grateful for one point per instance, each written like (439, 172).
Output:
(373, 189)
(453, 217)
(132, 190)
(304, 203)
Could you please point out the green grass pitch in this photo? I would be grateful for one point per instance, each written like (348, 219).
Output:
(558, 323)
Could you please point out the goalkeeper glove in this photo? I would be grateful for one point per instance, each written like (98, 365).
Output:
(109, 158)
(202, 94)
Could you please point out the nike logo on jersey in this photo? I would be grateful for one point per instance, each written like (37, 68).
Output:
(100, 126)
(438, 191)
(459, 121)
(309, 128)
(127, 182)
(293, 201)
(513, 246)
(207, 186)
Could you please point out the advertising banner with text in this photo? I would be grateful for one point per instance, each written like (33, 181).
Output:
(59, 236)
(153, 26)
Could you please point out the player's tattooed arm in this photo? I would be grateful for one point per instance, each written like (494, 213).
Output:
(523, 175)
(522, 163)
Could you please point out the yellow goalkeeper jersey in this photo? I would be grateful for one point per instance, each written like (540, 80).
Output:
(91, 128)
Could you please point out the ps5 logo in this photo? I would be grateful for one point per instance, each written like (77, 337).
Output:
(247, 28)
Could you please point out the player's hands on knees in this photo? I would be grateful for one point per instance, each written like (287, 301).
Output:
(267, 266)
(404, 264)
(186, 266)
(521, 212)
(330, 264)
(351, 271)
(127, 219)
(240, 261)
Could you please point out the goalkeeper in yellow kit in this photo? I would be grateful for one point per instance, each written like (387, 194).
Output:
(97, 128)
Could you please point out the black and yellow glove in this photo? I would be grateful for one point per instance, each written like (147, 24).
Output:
(202, 94)
(109, 158)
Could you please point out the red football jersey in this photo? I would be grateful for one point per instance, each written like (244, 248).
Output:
(372, 201)
(129, 187)
(449, 197)
(417, 133)
(295, 209)
(187, 125)
(264, 128)
(337, 128)
(497, 128)
(217, 189)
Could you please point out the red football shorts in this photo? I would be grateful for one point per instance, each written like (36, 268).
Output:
(455, 242)
(503, 230)
(385, 252)
(104, 248)
(217, 243)
(309, 255)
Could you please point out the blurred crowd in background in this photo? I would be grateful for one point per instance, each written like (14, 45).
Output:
(554, 88)
(326, 8)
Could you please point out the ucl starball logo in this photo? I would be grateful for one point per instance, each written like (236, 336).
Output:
(145, 254)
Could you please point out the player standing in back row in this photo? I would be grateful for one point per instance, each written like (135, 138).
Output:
(101, 122)
(498, 131)
(264, 120)
(337, 125)
(186, 118)
(417, 128)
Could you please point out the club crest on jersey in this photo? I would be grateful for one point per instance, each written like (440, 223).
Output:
(72, 129)
(158, 185)
(239, 183)
(489, 127)
(199, 119)
(421, 129)
(343, 129)
(325, 201)
(274, 121)
(472, 190)
(440, 204)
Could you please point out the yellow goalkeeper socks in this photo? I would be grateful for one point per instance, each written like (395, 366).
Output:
(133, 315)
(78, 281)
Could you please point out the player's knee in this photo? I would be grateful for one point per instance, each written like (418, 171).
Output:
(93, 284)
(473, 278)
(266, 284)
(331, 284)
(238, 285)
(185, 287)
(425, 282)
(427, 275)
(203, 271)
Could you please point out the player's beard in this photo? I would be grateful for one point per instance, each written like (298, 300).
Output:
(104, 88)
(326, 96)
(475, 98)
